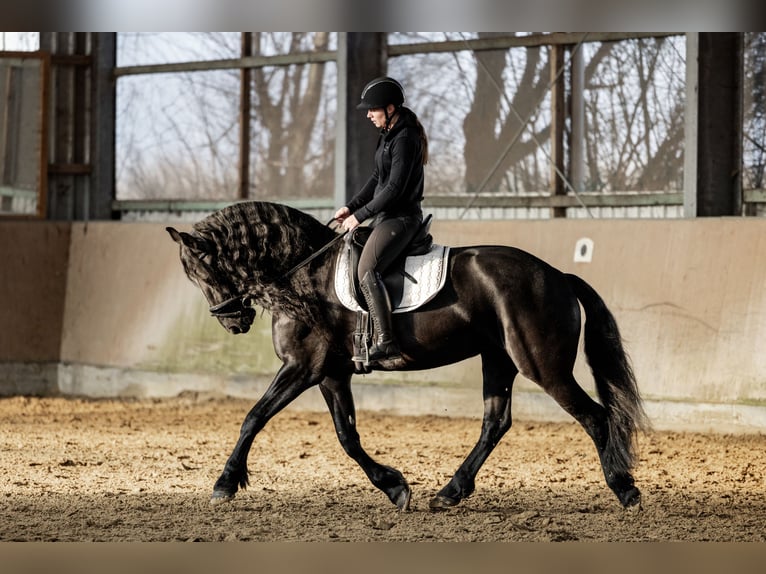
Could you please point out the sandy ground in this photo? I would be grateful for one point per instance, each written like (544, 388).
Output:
(80, 470)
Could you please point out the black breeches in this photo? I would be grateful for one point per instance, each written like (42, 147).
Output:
(387, 241)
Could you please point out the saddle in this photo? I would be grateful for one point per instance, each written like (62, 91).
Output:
(414, 278)
(394, 278)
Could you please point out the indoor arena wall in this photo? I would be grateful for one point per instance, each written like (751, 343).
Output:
(104, 309)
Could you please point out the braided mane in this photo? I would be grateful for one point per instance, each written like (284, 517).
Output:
(257, 243)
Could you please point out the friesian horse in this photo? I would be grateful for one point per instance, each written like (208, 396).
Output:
(517, 312)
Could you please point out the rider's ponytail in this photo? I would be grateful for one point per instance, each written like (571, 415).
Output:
(423, 138)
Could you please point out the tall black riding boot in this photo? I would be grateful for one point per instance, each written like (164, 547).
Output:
(379, 305)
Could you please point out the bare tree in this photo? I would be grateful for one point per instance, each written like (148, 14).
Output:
(489, 125)
(288, 110)
(634, 113)
(178, 133)
(634, 120)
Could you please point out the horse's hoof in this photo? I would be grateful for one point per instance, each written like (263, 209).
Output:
(441, 502)
(402, 500)
(630, 498)
(219, 497)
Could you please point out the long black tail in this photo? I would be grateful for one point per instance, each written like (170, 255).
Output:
(613, 374)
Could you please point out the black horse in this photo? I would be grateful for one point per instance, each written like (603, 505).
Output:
(514, 310)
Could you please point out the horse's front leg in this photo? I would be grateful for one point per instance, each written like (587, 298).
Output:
(290, 381)
(337, 394)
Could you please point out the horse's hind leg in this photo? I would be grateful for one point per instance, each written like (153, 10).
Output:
(499, 372)
(593, 418)
(340, 401)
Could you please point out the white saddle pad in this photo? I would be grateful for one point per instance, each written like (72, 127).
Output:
(429, 270)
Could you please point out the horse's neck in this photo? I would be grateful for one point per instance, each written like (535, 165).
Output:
(266, 263)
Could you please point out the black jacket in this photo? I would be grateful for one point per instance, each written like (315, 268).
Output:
(396, 185)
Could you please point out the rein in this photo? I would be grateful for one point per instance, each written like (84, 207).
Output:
(235, 306)
(313, 256)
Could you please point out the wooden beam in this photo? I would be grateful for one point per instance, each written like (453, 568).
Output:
(512, 41)
(559, 201)
(623, 199)
(228, 64)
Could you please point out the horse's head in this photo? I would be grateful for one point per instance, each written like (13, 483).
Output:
(201, 262)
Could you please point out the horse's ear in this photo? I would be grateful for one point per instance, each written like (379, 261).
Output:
(175, 234)
(190, 241)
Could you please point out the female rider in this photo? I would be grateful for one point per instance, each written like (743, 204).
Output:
(390, 200)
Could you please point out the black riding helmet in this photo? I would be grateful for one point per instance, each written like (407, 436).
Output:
(380, 92)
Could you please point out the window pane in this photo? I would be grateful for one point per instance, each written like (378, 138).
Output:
(19, 41)
(294, 111)
(177, 136)
(486, 115)
(22, 134)
(634, 115)
(143, 48)
(754, 150)
(178, 133)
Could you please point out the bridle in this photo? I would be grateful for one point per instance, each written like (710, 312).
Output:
(238, 305)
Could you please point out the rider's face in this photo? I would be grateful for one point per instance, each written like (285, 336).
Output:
(378, 116)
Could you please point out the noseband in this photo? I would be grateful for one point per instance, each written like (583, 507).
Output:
(232, 307)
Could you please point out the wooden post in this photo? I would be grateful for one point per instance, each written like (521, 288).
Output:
(713, 169)
(719, 168)
(362, 56)
(245, 118)
(577, 113)
(558, 117)
(101, 191)
(691, 123)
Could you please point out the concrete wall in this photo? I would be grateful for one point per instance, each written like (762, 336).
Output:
(105, 310)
